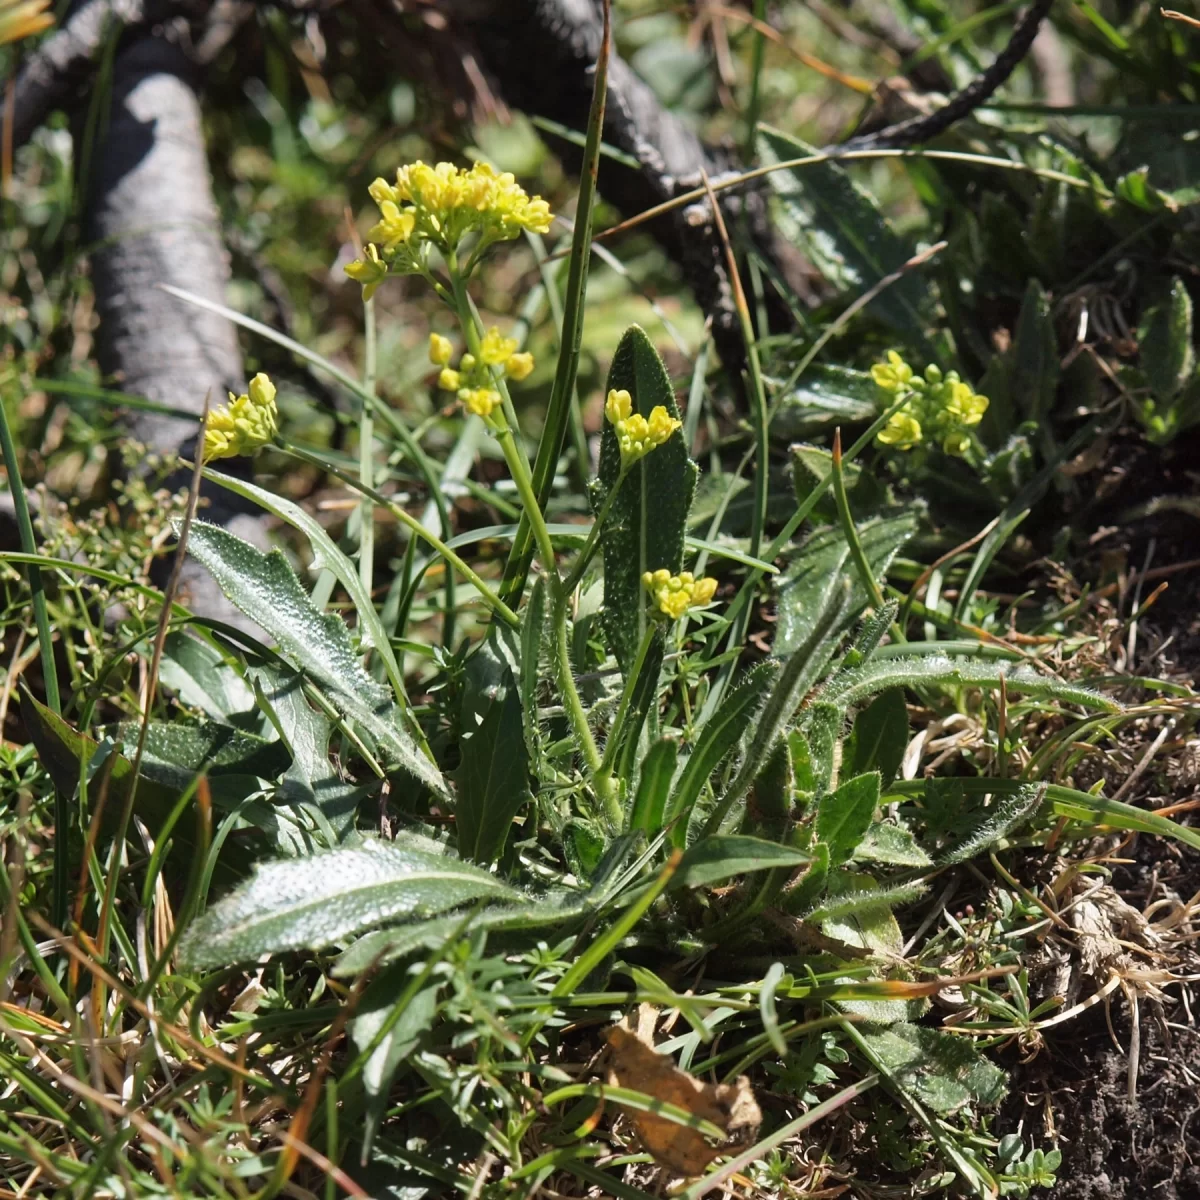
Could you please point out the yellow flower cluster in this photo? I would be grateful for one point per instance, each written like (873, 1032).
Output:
(243, 425)
(675, 594)
(439, 206)
(940, 404)
(637, 435)
(474, 379)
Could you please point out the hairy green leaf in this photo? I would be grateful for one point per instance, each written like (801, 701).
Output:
(844, 815)
(825, 396)
(852, 687)
(311, 779)
(715, 859)
(989, 825)
(325, 898)
(493, 776)
(891, 845)
(878, 738)
(815, 577)
(944, 1071)
(644, 529)
(654, 786)
(720, 734)
(1165, 333)
(841, 228)
(202, 678)
(266, 589)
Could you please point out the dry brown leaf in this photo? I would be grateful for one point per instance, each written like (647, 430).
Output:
(634, 1063)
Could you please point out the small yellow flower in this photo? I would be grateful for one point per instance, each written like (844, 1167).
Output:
(519, 366)
(370, 270)
(673, 595)
(637, 436)
(903, 431)
(245, 424)
(894, 375)
(481, 401)
(440, 349)
(395, 227)
(449, 380)
(495, 349)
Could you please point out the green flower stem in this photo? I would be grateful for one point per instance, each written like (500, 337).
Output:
(589, 547)
(490, 598)
(504, 425)
(849, 530)
(631, 680)
(366, 451)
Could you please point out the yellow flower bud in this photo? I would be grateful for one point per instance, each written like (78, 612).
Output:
(440, 349)
(466, 364)
(894, 375)
(370, 270)
(245, 424)
(481, 401)
(519, 366)
(449, 380)
(618, 406)
(662, 425)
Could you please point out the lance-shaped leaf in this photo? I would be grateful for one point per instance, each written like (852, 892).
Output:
(493, 777)
(266, 589)
(841, 228)
(814, 580)
(644, 529)
(321, 900)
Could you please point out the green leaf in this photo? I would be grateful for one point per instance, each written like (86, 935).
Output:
(720, 734)
(654, 786)
(644, 530)
(892, 845)
(823, 728)
(814, 579)
(325, 898)
(1035, 356)
(177, 751)
(1165, 336)
(945, 1072)
(1006, 813)
(771, 802)
(840, 227)
(879, 737)
(311, 779)
(533, 621)
(266, 589)
(715, 859)
(203, 677)
(643, 700)
(493, 776)
(851, 687)
(583, 844)
(844, 815)
(64, 752)
(383, 946)
(325, 555)
(377, 1009)
(825, 396)
(811, 887)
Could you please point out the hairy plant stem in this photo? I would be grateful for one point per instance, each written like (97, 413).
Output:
(503, 423)
(618, 725)
(366, 450)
